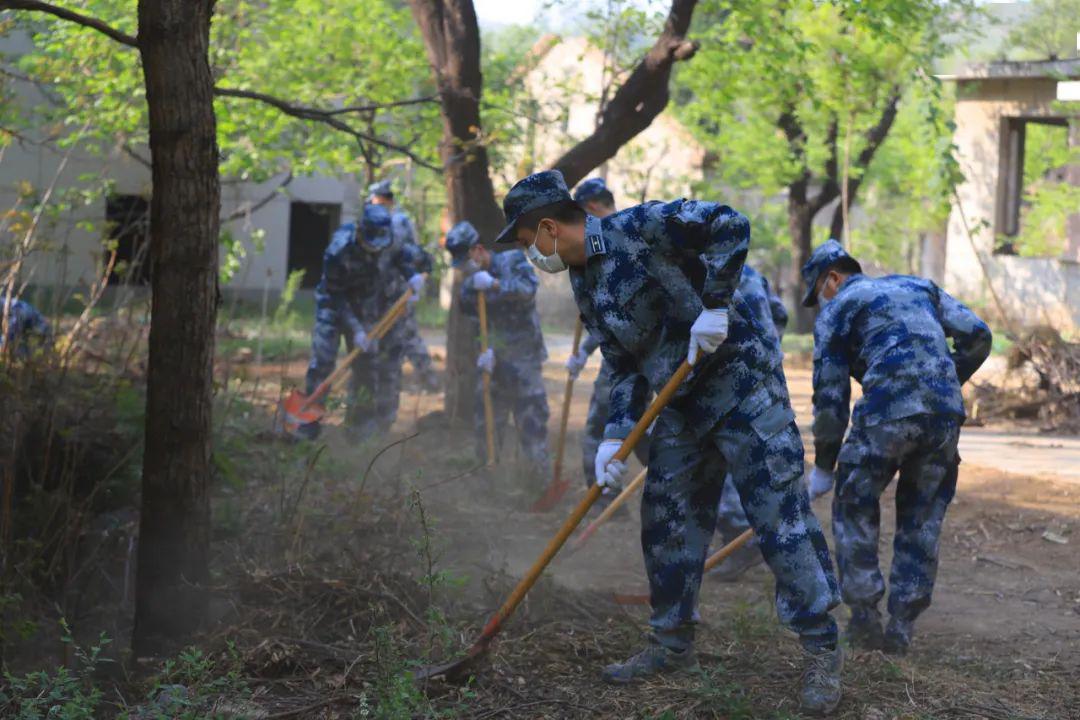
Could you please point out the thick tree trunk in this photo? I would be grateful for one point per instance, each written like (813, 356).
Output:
(800, 225)
(174, 533)
(452, 40)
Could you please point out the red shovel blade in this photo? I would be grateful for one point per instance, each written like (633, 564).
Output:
(551, 496)
(293, 413)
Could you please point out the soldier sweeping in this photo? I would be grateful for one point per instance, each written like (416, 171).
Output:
(404, 233)
(26, 330)
(657, 283)
(891, 334)
(517, 353)
(364, 271)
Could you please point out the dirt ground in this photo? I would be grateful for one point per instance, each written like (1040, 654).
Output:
(1002, 639)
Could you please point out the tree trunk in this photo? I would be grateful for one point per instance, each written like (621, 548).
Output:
(174, 532)
(800, 225)
(452, 40)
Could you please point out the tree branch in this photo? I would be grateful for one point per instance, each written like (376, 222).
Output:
(639, 101)
(72, 16)
(318, 115)
(252, 208)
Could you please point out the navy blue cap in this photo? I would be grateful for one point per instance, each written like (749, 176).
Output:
(375, 227)
(461, 238)
(589, 189)
(384, 188)
(535, 191)
(820, 261)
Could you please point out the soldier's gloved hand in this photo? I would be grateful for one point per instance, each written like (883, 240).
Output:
(576, 362)
(482, 280)
(367, 344)
(707, 333)
(416, 284)
(821, 482)
(486, 361)
(609, 472)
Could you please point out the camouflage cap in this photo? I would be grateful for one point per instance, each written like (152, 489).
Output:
(375, 227)
(589, 189)
(535, 191)
(383, 188)
(820, 261)
(461, 238)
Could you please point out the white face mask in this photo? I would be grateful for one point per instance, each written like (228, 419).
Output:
(548, 263)
(822, 301)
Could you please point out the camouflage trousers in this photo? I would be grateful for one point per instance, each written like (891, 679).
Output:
(731, 520)
(517, 387)
(595, 423)
(760, 444)
(416, 351)
(923, 449)
(374, 388)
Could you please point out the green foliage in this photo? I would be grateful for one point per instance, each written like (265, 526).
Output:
(1049, 31)
(1048, 199)
(63, 694)
(827, 65)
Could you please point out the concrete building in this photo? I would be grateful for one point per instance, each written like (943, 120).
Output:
(997, 105)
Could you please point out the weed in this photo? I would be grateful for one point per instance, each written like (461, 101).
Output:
(64, 694)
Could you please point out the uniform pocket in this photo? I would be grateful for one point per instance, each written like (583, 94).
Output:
(773, 420)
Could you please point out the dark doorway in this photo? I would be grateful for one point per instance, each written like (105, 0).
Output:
(127, 219)
(310, 227)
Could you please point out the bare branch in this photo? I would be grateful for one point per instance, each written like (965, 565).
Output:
(71, 16)
(252, 208)
(383, 106)
(641, 98)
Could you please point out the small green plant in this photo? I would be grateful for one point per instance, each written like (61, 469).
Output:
(64, 694)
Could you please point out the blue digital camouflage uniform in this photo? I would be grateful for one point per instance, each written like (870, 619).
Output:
(357, 287)
(416, 350)
(517, 383)
(27, 329)
(891, 335)
(650, 271)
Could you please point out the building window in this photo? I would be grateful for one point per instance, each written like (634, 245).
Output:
(311, 225)
(1034, 159)
(127, 220)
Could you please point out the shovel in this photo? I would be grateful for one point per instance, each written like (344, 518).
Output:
(558, 486)
(621, 498)
(489, 411)
(298, 409)
(715, 559)
(458, 668)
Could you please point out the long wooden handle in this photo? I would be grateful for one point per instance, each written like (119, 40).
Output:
(610, 510)
(383, 326)
(568, 396)
(555, 544)
(725, 552)
(489, 411)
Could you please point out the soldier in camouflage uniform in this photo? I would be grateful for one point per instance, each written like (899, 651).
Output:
(890, 334)
(595, 198)
(658, 283)
(516, 351)
(27, 329)
(416, 350)
(364, 271)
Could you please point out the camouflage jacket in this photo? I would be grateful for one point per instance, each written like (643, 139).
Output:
(24, 326)
(649, 272)
(358, 286)
(891, 335)
(768, 309)
(513, 323)
(404, 232)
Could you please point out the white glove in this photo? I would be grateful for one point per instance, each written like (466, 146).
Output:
(821, 482)
(482, 280)
(609, 473)
(707, 333)
(361, 340)
(576, 362)
(486, 361)
(416, 283)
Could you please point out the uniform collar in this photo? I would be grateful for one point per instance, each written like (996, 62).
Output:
(594, 238)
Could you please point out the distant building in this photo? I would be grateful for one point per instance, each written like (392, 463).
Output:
(997, 104)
